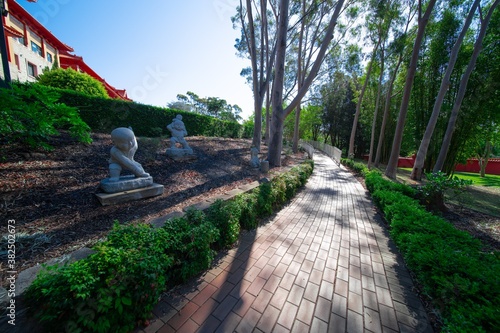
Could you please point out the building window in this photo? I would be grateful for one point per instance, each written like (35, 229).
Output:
(21, 40)
(32, 70)
(49, 57)
(16, 59)
(36, 48)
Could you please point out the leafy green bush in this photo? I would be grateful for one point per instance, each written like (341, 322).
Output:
(375, 181)
(110, 290)
(432, 193)
(73, 80)
(358, 167)
(189, 239)
(270, 196)
(450, 265)
(225, 216)
(248, 127)
(248, 203)
(30, 115)
(103, 115)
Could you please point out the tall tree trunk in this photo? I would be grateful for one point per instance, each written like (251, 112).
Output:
(296, 130)
(350, 154)
(296, 134)
(418, 167)
(392, 165)
(463, 87)
(260, 76)
(279, 114)
(268, 116)
(257, 130)
(484, 159)
(276, 143)
(388, 98)
(375, 113)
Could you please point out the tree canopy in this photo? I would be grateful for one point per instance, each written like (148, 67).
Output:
(390, 67)
(209, 106)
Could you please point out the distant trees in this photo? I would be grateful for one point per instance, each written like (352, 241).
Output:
(209, 106)
(417, 62)
(299, 36)
(73, 80)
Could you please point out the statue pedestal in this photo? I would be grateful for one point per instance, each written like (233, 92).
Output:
(126, 183)
(126, 189)
(180, 154)
(107, 199)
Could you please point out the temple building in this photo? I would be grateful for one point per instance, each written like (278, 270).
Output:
(31, 48)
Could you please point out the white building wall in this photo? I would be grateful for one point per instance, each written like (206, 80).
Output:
(25, 56)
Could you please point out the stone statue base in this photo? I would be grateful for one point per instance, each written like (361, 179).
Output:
(126, 183)
(107, 199)
(180, 154)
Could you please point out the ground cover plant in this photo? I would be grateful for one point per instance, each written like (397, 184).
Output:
(456, 272)
(116, 287)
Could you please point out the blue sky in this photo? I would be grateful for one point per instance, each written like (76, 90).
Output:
(155, 49)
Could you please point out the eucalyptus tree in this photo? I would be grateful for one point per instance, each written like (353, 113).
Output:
(423, 18)
(376, 25)
(279, 111)
(267, 50)
(306, 33)
(395, 56)
(385, 13)
(445, 84)
(257, 22)
(484, 21)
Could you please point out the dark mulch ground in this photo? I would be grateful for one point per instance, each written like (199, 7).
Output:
(51, 195)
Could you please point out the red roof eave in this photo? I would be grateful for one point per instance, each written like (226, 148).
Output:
(12, 32)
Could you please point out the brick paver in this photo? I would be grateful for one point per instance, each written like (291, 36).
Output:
(325, 263)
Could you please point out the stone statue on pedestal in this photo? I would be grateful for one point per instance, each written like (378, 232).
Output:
(122, 158)
(122, 154)
(178, 132)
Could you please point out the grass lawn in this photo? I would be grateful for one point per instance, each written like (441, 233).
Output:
(487, 180)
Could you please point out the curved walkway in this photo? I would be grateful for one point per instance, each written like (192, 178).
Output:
(324, 263)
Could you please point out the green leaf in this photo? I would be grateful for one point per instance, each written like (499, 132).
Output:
(126, 301)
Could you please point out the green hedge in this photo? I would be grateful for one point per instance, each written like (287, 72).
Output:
(118, 286)
(103, 115)
(459, 277)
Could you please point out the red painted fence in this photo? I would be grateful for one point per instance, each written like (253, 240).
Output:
(472, 165)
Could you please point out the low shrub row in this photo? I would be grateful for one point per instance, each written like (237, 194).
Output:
(117, 287)
(460, 279)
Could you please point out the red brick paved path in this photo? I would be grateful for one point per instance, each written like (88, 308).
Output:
(323, 264)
